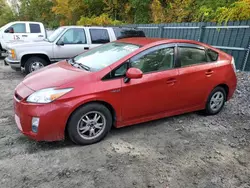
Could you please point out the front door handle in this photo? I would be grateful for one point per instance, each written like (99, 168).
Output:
(171, 81)
(86, 48)
(24, 35)
(209, 72)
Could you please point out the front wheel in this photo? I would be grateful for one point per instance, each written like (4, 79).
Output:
(33, 64)
(216, 101)
(89, 124)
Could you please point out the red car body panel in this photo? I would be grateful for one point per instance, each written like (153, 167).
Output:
(155, 95)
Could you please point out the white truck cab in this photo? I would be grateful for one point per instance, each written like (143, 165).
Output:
(65, 42)
(21, 31)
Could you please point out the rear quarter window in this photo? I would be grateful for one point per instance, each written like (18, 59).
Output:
(212, 55)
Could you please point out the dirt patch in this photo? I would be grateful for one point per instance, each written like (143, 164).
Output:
(183, 151)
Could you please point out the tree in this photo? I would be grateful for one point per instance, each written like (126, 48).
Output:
(157, 12)
(180, 10)
(69, 12)
(103, 19)
(239, 10)
(6, 14)
(38, 10)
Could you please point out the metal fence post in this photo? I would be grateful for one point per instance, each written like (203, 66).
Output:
(201, 33)
(246, 58)
(161, 28)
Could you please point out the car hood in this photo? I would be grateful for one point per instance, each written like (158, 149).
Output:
(22, 44)
(55, 75)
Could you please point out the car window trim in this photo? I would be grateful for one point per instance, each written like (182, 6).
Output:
(179, 45)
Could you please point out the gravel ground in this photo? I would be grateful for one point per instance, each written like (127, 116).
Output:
(184, 151)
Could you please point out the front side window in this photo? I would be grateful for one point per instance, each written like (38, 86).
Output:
(74, 36)
(19, 28)
(35, 28)
(99, 36)
(190, 56)
(105, 55)
(157, 60)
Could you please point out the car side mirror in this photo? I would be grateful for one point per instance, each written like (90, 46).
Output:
(133, 73)
(60, 43)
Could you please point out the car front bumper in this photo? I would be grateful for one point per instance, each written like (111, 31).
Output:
(12, 63)
(52, 117)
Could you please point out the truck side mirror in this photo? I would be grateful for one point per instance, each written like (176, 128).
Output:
(60, 43)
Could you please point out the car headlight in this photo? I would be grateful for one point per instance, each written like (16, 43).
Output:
(12, 53)
(47, 95)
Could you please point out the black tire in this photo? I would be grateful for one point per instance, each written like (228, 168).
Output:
(75, 120)
(217, 91)
(30, 61)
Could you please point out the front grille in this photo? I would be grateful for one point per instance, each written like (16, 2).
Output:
(18, 97)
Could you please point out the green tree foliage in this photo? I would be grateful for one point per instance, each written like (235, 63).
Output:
(105, 12)
(38, 10)
(6, 14)
(103, 19)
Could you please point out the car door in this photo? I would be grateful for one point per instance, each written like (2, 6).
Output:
(196, 76)
(156, 91)
(70, 44)
(98, 37)
(36, 32)
(15, 33)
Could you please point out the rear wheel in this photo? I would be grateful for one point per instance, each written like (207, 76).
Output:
(216, 101)
(33, 64)
(89, 124)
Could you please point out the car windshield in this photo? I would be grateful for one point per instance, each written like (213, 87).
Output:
(105, 55)
(55, 34)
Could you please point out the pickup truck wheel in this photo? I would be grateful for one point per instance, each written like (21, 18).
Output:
(33, 64)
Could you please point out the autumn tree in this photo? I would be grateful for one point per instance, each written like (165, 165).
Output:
(157, 10)
(69, 12)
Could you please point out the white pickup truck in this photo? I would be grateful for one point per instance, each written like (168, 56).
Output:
(20, 31)
(66, 42)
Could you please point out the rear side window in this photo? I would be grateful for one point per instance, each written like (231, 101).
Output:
(35, 28)
(191, 56)
(212, 55)
(99, 36)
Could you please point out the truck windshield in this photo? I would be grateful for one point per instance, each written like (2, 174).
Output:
(55, 34)
(105, 55)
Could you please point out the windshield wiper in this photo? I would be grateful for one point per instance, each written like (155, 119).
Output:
(78, 65)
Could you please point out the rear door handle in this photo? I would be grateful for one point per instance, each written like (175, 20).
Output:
(24, 35)
(86, 48)
(171, 81)
(40, 35)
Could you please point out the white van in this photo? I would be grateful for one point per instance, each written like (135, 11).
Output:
(21, 31)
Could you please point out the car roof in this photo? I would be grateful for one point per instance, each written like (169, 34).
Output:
(142, 41)
(78, 26)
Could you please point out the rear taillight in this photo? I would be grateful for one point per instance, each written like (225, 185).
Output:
(233, 64)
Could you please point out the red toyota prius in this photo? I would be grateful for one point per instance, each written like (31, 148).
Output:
(122, 83)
